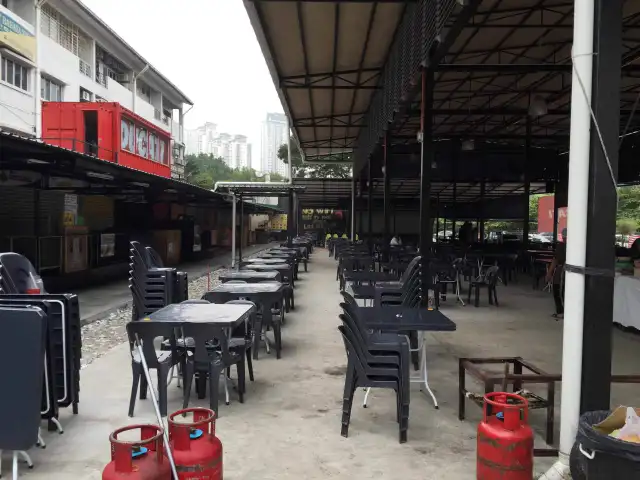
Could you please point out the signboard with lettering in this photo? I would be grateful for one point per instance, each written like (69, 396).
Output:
(17, 35)
(140, 141)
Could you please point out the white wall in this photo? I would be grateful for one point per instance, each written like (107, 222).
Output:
(16, 108)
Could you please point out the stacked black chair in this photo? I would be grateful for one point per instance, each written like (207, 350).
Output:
(375, 365)
(152, 285)
(23, 331)
(23, 288)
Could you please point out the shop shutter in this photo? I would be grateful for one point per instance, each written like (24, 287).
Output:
(16, 211)
(51, 210)
(97, 212)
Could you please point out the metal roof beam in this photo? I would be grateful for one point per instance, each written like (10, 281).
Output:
(334, 1)
(514, 67)
(328, 75)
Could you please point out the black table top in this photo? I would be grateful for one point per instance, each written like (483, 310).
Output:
(248, 288)
(249, 275)
(222, 315)
(267, 266)
(369, 276)
(397, 319)
(269, 261)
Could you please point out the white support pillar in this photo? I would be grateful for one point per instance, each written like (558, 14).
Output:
(37, 73)
(579, 151)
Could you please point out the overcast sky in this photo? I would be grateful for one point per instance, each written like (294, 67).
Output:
(208, 49)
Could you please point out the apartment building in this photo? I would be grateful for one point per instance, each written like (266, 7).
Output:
(235, 150)
(65, 53)
(275, 132)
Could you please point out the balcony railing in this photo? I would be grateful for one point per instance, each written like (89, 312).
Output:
(84, 68)
(102, 79)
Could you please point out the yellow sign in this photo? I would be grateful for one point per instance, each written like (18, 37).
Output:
(68, 219)
(279, 222)
(17, 35)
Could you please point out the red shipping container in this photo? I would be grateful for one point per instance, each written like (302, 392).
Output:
(109, 132)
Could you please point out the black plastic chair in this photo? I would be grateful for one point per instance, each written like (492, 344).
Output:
(242, 335)
(488, 281)
(211, 362)
(360, 373)
(160, 360)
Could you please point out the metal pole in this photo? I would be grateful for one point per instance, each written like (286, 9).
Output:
(353, 208)
(154, 400)
(387, 196)
(579, 150)
(602, 208)
(241, 230)
(233, 230)
(426, 158)
(289, 152)
(370, 210)
(527, 186)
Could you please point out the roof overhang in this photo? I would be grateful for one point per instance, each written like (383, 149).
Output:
(325, 58)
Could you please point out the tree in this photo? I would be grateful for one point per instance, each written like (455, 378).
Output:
(301, 169)
(205, 170)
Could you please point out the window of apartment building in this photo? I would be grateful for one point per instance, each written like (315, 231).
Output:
(5, 3)
(62, 31)
(14, 74)
(85, 95)
(50, 90)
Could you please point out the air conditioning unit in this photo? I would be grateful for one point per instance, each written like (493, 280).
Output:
(85, 96)
(122, 78)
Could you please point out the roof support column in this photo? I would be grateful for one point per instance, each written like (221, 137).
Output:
(370, 209)
(290, 221)
(233, 231)
(387, 196)
(602, 207)
(527, 186)
(353, 207)
(241, 231)
(454, 166)
(426, 159)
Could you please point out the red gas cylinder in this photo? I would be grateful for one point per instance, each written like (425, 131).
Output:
(138, 460)
(196, 449)
(505, 439)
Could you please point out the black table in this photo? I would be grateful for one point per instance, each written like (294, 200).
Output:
(225, 316)
(250, 277)
(401, 319)
(404, 319)
(359, 277)
(266, 294)
(283, 268)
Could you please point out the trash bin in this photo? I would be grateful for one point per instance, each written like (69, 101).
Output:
(597, 456)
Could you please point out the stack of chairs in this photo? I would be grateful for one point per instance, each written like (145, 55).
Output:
(63, 342)
(152, 285)
(23, 330)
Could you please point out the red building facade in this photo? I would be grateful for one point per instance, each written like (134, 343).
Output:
(109, 132)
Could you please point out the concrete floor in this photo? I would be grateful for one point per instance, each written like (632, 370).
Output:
(289, 425)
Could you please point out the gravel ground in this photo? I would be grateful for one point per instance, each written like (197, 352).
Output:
(102, 335)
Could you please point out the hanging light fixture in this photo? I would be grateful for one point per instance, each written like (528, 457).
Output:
(538, 106)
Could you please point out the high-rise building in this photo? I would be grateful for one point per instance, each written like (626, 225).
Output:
(275, 132)
(235, 150)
